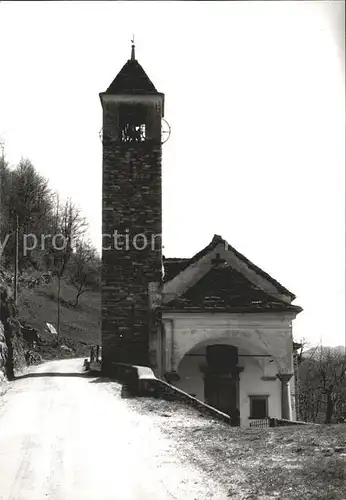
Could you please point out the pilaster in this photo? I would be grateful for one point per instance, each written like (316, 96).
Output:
(285, 395)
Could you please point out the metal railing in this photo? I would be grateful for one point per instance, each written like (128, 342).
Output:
(260, 423)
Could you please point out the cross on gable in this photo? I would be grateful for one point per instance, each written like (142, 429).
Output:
(217, 260)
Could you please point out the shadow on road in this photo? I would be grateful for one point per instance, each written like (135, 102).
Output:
(53, 374)
(101, 380)
(125, 392)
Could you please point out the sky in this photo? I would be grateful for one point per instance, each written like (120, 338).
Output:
(255, 97)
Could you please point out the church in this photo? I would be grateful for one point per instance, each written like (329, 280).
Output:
(214, 325)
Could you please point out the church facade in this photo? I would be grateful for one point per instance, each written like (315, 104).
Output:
(226, 334)
(213, 325)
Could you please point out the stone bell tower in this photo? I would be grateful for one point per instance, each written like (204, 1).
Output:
(131, 217)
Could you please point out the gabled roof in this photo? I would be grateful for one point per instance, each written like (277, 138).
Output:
(225, 289)
(172, 267)
(131, 79)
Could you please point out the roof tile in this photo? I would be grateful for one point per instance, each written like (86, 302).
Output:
(225, 289)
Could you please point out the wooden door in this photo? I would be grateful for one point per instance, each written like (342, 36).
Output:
(221, 393)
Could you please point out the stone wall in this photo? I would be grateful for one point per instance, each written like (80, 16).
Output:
(141, 381)
(11, 340)
(3, 351)
(281, 422)
(131, 205)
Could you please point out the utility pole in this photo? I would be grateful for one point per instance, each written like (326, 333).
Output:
(16, 262)
(58, 326)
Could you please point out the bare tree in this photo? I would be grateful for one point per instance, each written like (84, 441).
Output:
(332, 373)
(322, 385)
(84, 269)
(298, 351)
(309, 396)
(70, 226)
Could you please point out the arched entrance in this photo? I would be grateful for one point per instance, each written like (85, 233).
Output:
(226, 372)
(211, 372)
(221, 379)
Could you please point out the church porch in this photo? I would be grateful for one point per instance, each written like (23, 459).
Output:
(257, 382)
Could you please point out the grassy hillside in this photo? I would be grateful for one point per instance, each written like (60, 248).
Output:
(79, 326)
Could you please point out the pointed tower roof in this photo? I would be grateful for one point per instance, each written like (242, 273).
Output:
(132, 79)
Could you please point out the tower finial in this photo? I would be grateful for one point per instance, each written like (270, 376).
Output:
(133, 57)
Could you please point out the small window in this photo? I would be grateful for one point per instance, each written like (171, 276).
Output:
(258, 406)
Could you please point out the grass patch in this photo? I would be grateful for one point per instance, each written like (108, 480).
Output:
(79, 326)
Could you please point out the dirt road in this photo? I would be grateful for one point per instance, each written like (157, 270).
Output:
(65, 436)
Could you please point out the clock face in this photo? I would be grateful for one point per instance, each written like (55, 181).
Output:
(104, 133)
(165, 131)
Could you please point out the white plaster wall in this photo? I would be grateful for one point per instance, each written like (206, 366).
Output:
(251, 384)
(263, 333)
(191, 378)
